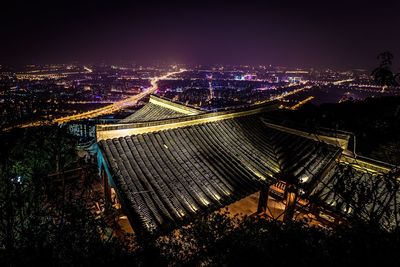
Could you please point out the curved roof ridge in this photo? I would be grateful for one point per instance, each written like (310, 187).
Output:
(109, 131)
(176, 106)
(159, 108)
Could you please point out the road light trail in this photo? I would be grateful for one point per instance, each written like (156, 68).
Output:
(302, 103)
(343, 81)
(283, 95)
(87, 69)
(130, 101)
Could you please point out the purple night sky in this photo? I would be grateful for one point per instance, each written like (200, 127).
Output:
(339, 34)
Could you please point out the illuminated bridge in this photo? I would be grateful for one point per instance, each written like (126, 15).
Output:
(170, 163)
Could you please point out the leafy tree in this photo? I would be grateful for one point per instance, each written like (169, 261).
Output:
(383, 75)
(374, 121)
(38, 225)
(218, 240)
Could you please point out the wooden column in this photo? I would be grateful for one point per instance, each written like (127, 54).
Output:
(263, 200)
(107, 189)
(291, 199)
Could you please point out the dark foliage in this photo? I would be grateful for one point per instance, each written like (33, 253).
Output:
(383, 75)
(374, 121)
(38, 226)
(221, 241)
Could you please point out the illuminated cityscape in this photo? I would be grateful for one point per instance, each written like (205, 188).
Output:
(58, 94)
(199, 134)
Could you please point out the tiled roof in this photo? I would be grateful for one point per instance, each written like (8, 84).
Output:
(160, 108)
(168, 177)
(152, 112)
(170, 163)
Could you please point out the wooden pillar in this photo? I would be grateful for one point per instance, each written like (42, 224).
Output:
(263, 200)
(291, 199)
(107, 189)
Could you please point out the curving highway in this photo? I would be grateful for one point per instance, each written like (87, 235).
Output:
(130, 101)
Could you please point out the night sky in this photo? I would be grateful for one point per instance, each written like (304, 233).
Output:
(338, 34)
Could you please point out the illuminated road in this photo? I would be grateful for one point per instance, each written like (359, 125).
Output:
(211, 89)
(130, 101)
(283, 95)
(302, 103)
(343, 81)
(87, 69)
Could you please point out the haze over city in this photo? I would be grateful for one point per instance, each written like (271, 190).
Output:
(335, 34)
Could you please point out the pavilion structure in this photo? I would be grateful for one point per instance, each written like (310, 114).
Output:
(169, 163)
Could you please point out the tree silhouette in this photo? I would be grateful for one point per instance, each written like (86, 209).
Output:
(42, 222)
(397, 78)
(383, 75)
(220, 240)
